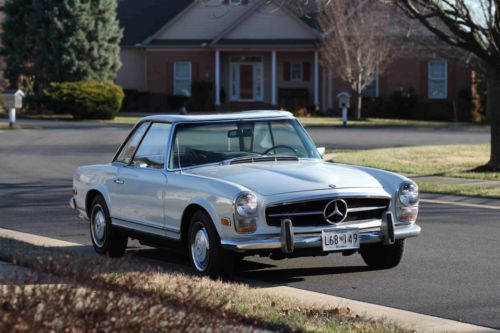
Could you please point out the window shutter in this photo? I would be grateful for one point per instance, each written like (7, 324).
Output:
(451, 80)
(306, 68)
(169, 73)
(195, 68)
(286, 71)
(424, 78)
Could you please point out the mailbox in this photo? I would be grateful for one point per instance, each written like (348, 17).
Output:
(344, 100)
(13, 99)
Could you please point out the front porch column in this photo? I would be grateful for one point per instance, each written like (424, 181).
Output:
(274, 100)
(217, 77)
(330, 90)
(316, 78)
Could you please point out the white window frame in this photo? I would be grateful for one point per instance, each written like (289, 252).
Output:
(301, 78)
(377, 91)
(186, 78)
(431, 78)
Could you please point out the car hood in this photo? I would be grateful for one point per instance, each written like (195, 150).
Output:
(269, 178)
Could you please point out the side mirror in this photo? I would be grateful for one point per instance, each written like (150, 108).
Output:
(321, 151)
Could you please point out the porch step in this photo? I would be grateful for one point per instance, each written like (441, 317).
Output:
(245, 106)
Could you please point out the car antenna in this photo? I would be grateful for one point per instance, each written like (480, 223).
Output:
(178, 153)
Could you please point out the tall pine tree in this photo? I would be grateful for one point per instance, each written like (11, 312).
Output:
(18, 42)
(63, 40)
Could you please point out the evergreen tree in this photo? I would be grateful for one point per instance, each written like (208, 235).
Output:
(18, 41)
(62, 40)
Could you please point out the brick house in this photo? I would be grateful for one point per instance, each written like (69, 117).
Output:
(257, 54)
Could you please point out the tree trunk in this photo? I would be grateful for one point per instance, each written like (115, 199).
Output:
(494, 117)
(360, 99)
(359, 105)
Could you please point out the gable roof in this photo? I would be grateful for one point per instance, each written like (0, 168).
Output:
(142, 18)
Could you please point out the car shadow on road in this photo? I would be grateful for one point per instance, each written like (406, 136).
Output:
(278, 275)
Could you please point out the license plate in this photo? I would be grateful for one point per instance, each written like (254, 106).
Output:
(345, 239)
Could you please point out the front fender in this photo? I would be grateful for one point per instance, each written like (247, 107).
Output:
(103, 191)
(210, 209)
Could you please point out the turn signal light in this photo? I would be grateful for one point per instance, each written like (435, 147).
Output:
(225, 221)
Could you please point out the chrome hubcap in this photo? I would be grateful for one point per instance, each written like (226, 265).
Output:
(99, 226)
(200, 249)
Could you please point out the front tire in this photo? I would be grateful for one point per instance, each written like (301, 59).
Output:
(105, 238)
(378, 256)
(206, 255)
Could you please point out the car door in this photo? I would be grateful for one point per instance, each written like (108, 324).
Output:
(140, 185)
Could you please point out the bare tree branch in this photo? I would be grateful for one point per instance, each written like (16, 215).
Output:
(357, 43)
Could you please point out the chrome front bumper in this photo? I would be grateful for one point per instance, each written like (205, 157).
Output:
(387, 234)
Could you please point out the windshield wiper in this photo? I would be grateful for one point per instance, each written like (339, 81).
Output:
(249, 156)
(259, 158)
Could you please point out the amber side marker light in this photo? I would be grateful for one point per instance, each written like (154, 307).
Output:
(226, 222)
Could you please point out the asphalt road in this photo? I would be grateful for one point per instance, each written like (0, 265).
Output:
(450, 271)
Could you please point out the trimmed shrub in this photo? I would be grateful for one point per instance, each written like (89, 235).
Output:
(202, 96)
(85, 100)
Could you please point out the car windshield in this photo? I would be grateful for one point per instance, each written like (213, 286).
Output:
(198, 144)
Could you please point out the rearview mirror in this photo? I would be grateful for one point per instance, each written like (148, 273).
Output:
(240, 133)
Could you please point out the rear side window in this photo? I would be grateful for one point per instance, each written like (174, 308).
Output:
(128, 150)
(151, 152)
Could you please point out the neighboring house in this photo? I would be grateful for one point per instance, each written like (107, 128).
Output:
(256, 53)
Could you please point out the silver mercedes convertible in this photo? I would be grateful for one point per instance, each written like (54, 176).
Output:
(227, 186)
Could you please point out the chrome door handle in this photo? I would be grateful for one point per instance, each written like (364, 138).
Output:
(119, 181)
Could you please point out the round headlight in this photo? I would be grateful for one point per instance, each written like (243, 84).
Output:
(408, 194)
(246, 204)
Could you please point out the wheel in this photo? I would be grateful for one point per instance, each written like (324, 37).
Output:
(105, 238)
(379, 256)
(206, 255)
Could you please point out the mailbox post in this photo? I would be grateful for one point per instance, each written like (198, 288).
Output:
(12, 100)
(344, 104)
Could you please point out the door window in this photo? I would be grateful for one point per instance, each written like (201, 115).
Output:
(130, 147)
(151, 152)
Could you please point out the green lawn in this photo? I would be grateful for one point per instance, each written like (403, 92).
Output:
(123, 118)
(376, 122)
(448, 161)
(337, 122)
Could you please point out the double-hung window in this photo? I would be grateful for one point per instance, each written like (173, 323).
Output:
(372, 90)
(438, 79)
(182, 78)
(296, 71)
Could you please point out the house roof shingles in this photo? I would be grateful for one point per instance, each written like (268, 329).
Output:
(142, 18)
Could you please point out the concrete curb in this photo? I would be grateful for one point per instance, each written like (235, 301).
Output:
(411, 320)
(403, 318)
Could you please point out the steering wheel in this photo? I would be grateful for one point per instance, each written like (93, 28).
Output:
(280, 146)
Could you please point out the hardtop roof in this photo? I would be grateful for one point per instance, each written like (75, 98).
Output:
(262, 114)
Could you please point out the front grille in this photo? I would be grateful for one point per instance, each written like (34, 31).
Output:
(310, 213)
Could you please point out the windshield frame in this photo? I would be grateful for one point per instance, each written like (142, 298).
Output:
(173, 134)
